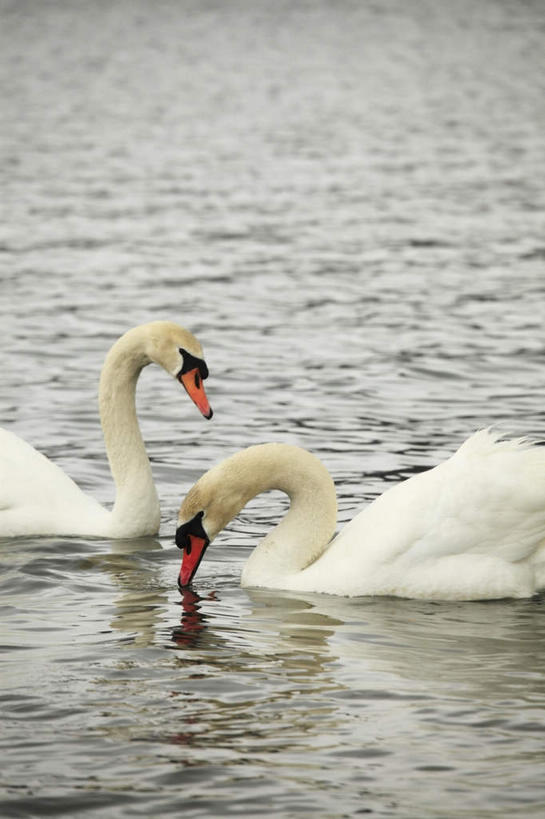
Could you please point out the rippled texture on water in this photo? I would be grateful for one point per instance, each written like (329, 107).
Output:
(345, 202)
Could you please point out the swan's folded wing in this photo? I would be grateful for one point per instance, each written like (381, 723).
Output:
(488, 498)
(491, 501)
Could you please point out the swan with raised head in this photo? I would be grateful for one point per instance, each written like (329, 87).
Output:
(38, 498)
(471, 528)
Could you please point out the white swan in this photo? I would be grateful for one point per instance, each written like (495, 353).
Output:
(38, 498)
(471, 528)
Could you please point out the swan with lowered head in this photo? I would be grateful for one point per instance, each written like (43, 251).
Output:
(471, 528)
(38, 498)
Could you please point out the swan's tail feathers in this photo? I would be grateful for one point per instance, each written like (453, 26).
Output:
(489, 441)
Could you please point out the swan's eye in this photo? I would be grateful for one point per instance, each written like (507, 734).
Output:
(191, 362)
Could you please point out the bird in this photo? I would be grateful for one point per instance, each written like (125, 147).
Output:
(38, 498)
(471, 528)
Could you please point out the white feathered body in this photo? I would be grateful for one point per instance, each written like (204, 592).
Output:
(471, 528)
(51, 502)
(38, 498)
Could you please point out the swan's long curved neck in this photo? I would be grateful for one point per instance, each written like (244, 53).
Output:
(136, 496)
(304, 532)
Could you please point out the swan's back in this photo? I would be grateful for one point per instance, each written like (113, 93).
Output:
(470, 527)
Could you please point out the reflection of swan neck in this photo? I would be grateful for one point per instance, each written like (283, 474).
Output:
(129, 463)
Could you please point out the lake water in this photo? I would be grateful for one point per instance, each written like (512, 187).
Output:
(345, 202)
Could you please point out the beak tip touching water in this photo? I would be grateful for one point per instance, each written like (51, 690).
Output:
(193, 540)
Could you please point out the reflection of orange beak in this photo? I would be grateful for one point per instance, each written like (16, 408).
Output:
(194, 386)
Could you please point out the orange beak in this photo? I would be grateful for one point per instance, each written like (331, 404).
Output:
(191, 537)
(193, 383)
(193, 554)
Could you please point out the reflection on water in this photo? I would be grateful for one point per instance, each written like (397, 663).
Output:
(344, 201)
(138, 607)
(231, 691)
(193, 621)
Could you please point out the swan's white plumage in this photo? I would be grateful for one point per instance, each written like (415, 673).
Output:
(471, 528)
(38, 498)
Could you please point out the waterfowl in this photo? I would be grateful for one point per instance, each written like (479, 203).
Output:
(38, 498)
(472, 527)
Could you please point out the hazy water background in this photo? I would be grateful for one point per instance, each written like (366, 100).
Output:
(345, 202)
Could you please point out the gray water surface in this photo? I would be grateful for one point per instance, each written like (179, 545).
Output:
(345, 202)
